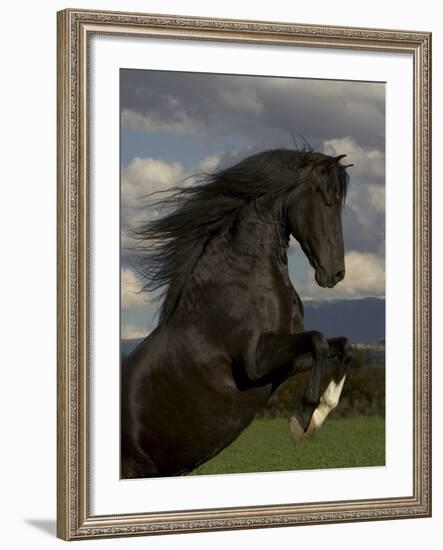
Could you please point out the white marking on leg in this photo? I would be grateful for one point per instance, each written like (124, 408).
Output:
(328, 401)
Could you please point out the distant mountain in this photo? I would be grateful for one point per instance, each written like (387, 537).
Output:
(361, 320)
(128, 345)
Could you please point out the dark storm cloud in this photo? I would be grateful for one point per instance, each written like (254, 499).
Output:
(252, 114)
(360, 236)
(265, 109)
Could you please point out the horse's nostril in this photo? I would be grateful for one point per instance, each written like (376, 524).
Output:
(339, 275)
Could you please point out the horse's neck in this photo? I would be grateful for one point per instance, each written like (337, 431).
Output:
(259, 235)
(253, 243)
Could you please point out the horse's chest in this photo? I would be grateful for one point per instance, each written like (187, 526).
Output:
(284, 308)
(297, 321)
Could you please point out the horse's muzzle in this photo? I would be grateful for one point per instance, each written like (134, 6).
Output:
(336, 278)
(330, 282)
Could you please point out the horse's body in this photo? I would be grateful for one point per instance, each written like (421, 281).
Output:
(231, 329)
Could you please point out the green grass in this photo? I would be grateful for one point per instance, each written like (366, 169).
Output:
(266, 446)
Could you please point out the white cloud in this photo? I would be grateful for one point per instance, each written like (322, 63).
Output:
(242, 98)
(132, 295)
(133, 331)
(367, 201)
(142, 177)
(182, 123)
(148, 175)
(259, 108)
(377, 197)
(365, 276)
(367, 162)
(209, 163)
(145, 176)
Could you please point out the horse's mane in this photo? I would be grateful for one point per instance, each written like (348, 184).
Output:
(171, 245)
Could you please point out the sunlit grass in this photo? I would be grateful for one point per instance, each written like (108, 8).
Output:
(266, 446)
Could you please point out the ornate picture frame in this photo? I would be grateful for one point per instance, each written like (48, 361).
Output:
(76, 28)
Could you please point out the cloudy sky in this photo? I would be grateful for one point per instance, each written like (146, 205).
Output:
(177, 124)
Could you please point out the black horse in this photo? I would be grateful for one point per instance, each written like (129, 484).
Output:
(231, 323)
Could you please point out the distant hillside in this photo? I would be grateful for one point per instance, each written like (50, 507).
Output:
(128, 345)
(361, 320)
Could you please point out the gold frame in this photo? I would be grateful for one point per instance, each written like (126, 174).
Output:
(75, 27)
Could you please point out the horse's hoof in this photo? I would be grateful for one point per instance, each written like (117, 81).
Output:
(296, 429)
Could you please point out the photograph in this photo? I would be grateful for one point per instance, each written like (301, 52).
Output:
(243, 213)
(252, 273)
(222, 249)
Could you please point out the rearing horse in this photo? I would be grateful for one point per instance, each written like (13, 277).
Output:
(231, 323)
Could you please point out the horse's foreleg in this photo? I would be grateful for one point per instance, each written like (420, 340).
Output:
(277, 351)
(340, 348)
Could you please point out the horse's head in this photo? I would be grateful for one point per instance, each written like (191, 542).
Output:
(314, 211)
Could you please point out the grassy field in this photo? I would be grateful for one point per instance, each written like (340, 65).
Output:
(267, 446)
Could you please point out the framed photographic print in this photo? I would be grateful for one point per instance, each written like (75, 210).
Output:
(243, 274)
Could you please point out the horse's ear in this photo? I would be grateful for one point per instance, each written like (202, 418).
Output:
(339, 157)
(326, 163)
